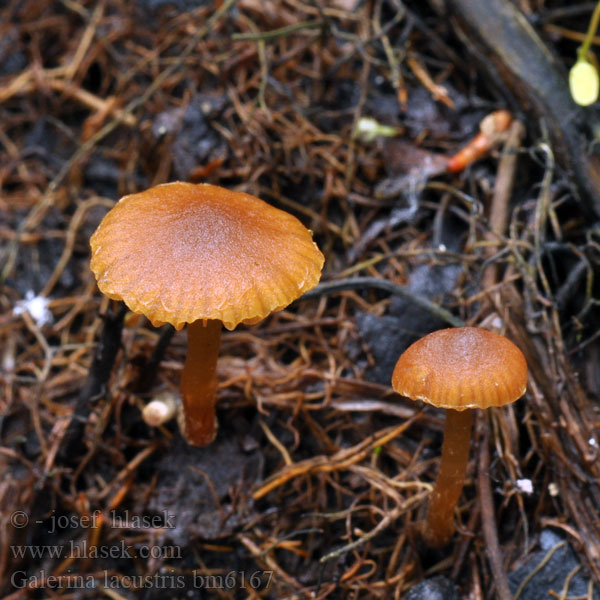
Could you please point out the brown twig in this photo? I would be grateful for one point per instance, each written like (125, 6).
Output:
(488, 521)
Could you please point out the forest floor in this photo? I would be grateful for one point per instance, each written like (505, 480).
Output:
(448, 178)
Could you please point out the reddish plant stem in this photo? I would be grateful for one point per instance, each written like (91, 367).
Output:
(199, 382)
(439, 527)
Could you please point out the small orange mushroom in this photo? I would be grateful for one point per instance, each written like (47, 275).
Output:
(200, 254)
(458, 369)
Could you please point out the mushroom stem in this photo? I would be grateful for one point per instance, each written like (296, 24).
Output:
(199, 382)
(440, 526)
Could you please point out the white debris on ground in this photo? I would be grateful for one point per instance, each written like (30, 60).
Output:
(161, 409)
(525, 486)
(36, 306)
(497, 322)
(553, 489)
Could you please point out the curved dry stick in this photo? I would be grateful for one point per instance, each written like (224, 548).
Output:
(488, 523)
(338, 461)
(360, 283)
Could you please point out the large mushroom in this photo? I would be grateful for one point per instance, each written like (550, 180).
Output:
(458, 369)
(203, 255)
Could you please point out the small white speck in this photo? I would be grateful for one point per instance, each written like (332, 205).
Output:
(8, 356)
(8, 362)
(592, 442)
(442, 248)
(36, 306)
(367, 125)
(553, 489)
(525, 486)
(497, 323)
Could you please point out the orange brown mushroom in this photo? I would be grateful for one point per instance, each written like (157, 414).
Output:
(203, 255)
(458, 369)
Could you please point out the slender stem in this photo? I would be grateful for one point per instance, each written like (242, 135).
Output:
(488, 523)
(591, 32)
(360, 283)
(275, 33)
(451, 478)
(199, 382)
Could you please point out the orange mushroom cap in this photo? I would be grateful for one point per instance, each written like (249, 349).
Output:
(460, 368)
(180, 252)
